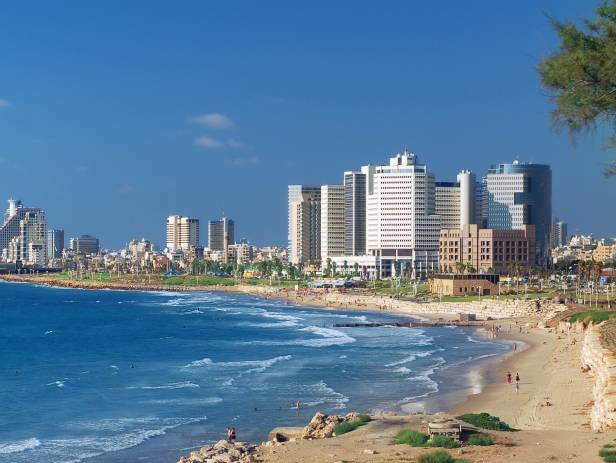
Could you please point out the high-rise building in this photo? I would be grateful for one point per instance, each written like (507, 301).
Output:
(447, 203)
(11, 226)
(355, 189)
(84, 245)
(468, 198)
(520, 194)
(332, 221)
(304, 224)
(220, 234)
(559, 233)
(401, 221)
(29, 247)
(182, 233)
(55, 243)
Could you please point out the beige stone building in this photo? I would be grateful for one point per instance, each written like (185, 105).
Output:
(486, 249)
(459, 285)
(604, 252)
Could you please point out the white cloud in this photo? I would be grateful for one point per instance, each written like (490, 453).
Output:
(212, 120)
(233, 143)
(242, 162)
(5, 103)
(209, 142)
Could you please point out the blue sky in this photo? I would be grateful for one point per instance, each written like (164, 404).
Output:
(102, 105)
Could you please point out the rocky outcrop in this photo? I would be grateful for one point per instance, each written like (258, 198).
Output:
(321, 426)
(600, 362)
(222, 452)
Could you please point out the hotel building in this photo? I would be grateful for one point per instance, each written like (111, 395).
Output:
(220, 234)
(304, 204)
(332, 222)
(486, 249)
(29, 247)
(402, 228)
(182, 233)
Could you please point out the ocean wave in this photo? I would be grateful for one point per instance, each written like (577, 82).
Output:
(329, 337)
(19, 446)
(402, 370)
(255, 366)
(57, 383)
(187, 402)
(325, 396)
(412, 357)
(48, 332)
(178, 385)
(426, 380)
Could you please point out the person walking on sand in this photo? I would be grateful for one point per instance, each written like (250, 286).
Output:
(509, 377)
(517, 382)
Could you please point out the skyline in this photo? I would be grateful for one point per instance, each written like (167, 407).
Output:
(160, 115)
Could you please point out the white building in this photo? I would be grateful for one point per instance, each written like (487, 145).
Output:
(29, 247)
(332, 222)
(402, 226)
(182, 233)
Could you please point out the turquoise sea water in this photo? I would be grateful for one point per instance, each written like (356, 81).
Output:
(118, 376)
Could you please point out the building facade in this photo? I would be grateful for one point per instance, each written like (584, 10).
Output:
(402, 228)
(332, 222)
(520, 194)
(355, 190)
(447, 203)
(10, 228)
(29, 247)
(182, 233)
(220, 234)
(55, 244)
(85, 245)
(604, 252)
(304, 225)
(486, 250)
(559, 233)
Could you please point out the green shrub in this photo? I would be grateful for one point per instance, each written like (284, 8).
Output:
(444, 442)
(438, 456)
(485, 421)
(480, 439)
(411, 437)
(348, 426)
(608, 453)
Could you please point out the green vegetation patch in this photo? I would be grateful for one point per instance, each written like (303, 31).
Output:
(411, 437)
(480, 439)
(438, 456)
(594, 316)
(608, 453)
(486, 421)
(444, 442)
(348, 426)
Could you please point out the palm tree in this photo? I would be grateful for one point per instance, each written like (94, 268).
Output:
(460, 267)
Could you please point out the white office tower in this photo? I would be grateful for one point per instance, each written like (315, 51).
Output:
(182, 233)
(29, 247)
(332, 222)
(304, 224)
(559, 233)
(466, 180)
(10, 228)
(447, 203)
(402, 226)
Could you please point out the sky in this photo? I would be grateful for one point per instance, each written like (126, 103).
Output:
(114, 115)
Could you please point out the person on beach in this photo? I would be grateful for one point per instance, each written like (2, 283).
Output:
(508, 377)
(515, 347)
(517, 382)
(229, 433)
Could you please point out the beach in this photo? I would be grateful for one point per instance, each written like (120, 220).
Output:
(550, 410)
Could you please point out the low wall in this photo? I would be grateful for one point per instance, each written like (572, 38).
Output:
(602, 364)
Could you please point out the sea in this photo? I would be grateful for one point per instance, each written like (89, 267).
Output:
(121, 376)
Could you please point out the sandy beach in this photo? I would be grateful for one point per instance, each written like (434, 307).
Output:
(550, 410)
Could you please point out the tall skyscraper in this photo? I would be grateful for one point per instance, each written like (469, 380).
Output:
(559, 233)
(304, 224)
(468, 200)
(355, 188)
(84, 245)
(332, 221)
(30, 246)
(447, 203)
(521, 194)
(182, 233)
(220, 234)
(402, 226)
(55, 243)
